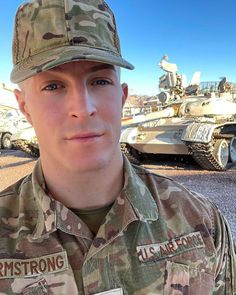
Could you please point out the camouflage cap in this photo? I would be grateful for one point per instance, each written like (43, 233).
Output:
(49, 33)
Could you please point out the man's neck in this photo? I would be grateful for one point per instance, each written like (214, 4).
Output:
(92, 189)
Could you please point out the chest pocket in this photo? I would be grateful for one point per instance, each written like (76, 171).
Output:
(60, 283)
(57, 284)
(185, 274)
(40, 288)
(182, 279)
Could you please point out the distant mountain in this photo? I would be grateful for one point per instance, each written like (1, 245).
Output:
(138, 100)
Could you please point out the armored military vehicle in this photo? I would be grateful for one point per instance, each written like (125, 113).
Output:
(15, 131)
(11, 121)
(202, 125)
(26, 141)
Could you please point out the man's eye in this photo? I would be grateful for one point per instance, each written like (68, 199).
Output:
(52, 86)
(102, 82)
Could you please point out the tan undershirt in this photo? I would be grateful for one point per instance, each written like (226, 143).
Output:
(92, 217)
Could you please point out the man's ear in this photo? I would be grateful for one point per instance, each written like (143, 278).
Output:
(20, 97)
(125, 90)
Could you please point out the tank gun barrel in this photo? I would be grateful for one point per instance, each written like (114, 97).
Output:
(140, 119)
(5, 87)
(7, 107)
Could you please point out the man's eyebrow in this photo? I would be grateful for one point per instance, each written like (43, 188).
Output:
(102, 67)
(97, 67)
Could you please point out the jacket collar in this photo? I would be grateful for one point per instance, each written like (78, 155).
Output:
(138, 194)
(139, 205)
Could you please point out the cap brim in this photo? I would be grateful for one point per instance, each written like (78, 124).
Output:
(48, 60)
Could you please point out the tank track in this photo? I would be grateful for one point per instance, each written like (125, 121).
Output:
(203, 155)
(25, 147)
(126, 149)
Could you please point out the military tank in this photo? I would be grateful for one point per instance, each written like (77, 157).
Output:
(202, 125)
(26, 141)
(11, 119)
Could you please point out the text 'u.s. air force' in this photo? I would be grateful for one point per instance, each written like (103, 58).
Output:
(170, 248)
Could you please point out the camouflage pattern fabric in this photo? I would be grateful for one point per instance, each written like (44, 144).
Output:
(158, 238)
(52, 32)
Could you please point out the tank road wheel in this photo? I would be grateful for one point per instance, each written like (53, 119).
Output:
(232, 150)
(213, 156)
(6, 141)
(221, 152)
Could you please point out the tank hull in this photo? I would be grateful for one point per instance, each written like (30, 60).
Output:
(212, 144)
(158, 137)
(26, 141)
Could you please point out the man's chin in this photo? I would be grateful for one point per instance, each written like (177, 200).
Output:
(82, 160)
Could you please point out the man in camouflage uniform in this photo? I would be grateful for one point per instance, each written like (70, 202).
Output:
(86, 221)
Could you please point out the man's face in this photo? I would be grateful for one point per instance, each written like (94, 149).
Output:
(75, 110)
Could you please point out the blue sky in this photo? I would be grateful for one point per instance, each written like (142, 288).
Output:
(197, 35)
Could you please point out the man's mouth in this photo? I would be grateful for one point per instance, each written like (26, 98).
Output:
(85, 136)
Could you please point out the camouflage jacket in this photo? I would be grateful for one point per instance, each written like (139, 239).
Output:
(158, 238)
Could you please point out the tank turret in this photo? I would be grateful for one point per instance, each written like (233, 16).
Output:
(202, 125)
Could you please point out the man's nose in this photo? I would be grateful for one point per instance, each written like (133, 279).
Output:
(82, 103)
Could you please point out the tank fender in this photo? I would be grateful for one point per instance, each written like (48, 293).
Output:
(128, 135)
(199, 132)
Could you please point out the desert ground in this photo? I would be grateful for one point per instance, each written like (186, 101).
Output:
(218, 186)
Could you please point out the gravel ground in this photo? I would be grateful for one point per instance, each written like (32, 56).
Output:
(218, 186)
